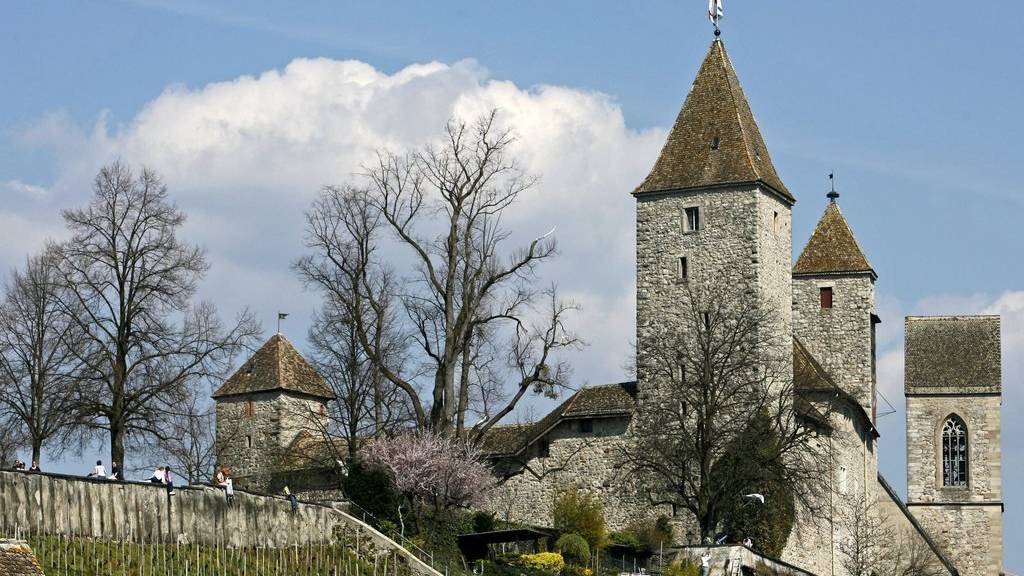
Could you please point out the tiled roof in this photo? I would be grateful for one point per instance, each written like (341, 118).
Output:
(957, 353)
(715, 139)
(277, 365)
(594, 402)
(832, 247)
(810, 378)
(17, 559)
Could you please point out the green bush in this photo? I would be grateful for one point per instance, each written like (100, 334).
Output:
(574, 548)
(549, 562)
(684, 567)
(372, 491)
(579, 512)
(483, 521)
(627, 538)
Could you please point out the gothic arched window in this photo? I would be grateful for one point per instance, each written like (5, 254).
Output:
(954, 452)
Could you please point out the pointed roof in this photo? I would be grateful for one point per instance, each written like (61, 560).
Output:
(277, 365)
(715, 108)
(832, 247)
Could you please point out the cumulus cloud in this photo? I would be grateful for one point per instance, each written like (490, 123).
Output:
(245, 157)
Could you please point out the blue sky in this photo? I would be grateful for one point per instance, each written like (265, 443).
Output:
(915, 105)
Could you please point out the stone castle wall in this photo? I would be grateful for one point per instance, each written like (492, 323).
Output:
(254, 446)
(589, 461)
(965, 522)
(743, 250)
(852, 462)
(839, 337)
(248, 444)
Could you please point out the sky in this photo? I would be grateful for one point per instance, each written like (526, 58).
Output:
(248, 108)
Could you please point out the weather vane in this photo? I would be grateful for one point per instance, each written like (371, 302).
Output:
(715, 14)
(832, 181)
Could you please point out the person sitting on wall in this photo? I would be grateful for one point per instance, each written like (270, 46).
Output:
(115, 472)
(168, 481)
(229, 490)
(99, 471)
(292, 499)
(35, 467)
(158, 475)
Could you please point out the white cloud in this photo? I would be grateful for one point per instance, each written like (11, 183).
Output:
(245, 157)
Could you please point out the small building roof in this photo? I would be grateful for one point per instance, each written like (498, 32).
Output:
(832, 249)
(952, 354)
(715, 140)
(17, 559)
(277, 365)
(811, 378)
(608, 400)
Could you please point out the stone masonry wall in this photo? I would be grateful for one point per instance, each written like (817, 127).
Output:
(252, 446)
(743, 250)
(248, 445)
(852, 476)
(839, 337)
(143, 512)
(589, 461)
(965, 522)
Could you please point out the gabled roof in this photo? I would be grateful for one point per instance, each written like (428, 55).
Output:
(810, 378)
(715, 108)
(608, 400)
(832, 248)
(953, 354)
(277, 365)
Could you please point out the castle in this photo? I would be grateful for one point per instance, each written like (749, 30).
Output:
(713, 212)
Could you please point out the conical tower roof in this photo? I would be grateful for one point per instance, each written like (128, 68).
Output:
(715, 140)
(832, 248)
(277, 365)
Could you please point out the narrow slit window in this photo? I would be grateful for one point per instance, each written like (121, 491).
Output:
(248, 441)
(775, 222)
(683, 268)
(715, 143)
(825, 295)
(692, 220)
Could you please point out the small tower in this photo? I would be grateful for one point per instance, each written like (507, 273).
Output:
(261, 410)
(712, 216)
(953, 386)
(834, 305)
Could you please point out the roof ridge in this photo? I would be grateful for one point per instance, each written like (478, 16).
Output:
(736, 106)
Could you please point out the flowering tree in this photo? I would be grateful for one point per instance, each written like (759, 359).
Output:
(432, 472)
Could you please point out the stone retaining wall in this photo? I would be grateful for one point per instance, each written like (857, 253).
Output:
(142, 512)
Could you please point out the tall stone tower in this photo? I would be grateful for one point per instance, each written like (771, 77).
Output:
(712, 216)
(953, 386)
(834, 306)
(263, 409)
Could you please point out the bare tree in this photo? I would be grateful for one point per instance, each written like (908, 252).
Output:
(718, 420)
(472, 318)
(366, 404)
(188, 442)
(10, 439)
(873, 545)
(39, 350)
(130, 282)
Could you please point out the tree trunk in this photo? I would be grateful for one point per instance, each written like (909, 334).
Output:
(37, 449)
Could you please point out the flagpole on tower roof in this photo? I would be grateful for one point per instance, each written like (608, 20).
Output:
(280, 316)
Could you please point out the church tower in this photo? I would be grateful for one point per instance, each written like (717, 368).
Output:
(953, 386)
(712, 216)
(264, 409)
(834, 306)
